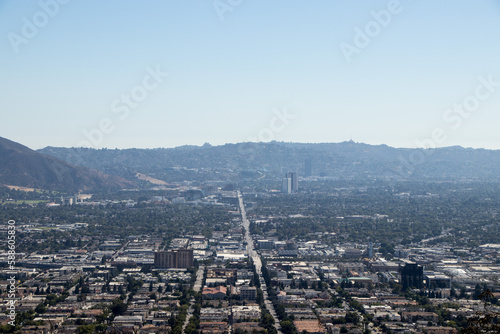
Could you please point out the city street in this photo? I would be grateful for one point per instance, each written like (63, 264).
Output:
(196, 287)
(257, 262)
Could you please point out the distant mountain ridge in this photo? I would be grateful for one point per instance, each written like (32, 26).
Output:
(346, 160)
(22, 166)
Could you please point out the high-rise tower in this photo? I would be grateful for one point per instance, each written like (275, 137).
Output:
(290, 183)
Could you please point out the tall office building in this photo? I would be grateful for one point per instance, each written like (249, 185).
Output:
(290, 183)
(286, 187)
(177, 258)
(412, 276)
(308, 167)
(295, 181)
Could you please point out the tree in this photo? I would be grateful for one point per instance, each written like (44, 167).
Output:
(267, 320)
(41, 308)
(484, 322)
(477, 291)
(453, 293)
(463, 292)
(288, 327)
(118, 307)
(352, 317)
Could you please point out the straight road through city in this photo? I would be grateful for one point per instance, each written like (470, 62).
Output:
(257, 262)
(197, 288)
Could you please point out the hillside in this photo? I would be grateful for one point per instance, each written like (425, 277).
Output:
(347, 160)
(21, 166)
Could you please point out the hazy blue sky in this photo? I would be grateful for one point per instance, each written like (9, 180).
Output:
(418, 70)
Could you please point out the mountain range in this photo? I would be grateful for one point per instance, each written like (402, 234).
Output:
(232, 162)
(90, 170)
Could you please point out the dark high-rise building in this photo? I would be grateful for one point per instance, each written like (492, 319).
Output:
(412, 276)
(177, 258)
(308, 167)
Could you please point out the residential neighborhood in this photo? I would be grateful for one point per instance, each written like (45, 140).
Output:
(238, 281)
